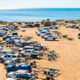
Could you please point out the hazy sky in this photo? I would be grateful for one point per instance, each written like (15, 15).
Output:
(4, 4)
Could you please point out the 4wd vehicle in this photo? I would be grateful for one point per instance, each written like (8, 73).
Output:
(12, 62)
(22, 43)
(9, 57)
(32, 47)
(30, 53)
(5, 52)
(19, 66)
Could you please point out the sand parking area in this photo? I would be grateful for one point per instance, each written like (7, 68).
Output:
(69, 51)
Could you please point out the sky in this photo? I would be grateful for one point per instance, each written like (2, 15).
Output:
(12, 4)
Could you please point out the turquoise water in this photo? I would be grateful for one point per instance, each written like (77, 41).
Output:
(40, 14)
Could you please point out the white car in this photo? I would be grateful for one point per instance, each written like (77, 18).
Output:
(44, 28)
(30, 53)
(54, 26)
(49, 37)
(12, 74)
(45, 34)
(10, 56)
(6, 51)
(11, 62)
(39, 32)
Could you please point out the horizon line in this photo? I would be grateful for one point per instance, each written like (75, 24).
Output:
(41, 8)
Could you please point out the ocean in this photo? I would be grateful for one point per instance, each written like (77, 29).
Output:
(39, 14)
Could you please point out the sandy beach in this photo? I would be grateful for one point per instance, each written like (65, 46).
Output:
(68, 51)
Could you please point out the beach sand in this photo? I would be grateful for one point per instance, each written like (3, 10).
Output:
(68, 51)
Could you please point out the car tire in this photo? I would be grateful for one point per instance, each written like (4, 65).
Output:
(46, 39)
(54, 39)
(2, 61)
(56, 28)
(38, 34)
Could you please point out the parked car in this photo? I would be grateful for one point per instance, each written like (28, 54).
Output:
(7, 36)
(16, 38)
(28, 48)
(44, 28)
(12, 62)
(30, 53)
(41, 32)
(30, 25)
(36, 25)
(22, 73)
(6, 51)
(51, 70)
(71, 26)
(14, 34)
(45, 34)
(17, 67)
(32, 47)
(54, 26)
(2, 33)
(77, 26)
(9, 57)
(22, 43)
(50, 37)
(10, 40)
(27, 25)
(37, 47)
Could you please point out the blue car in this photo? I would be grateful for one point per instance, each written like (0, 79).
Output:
(16, 67)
